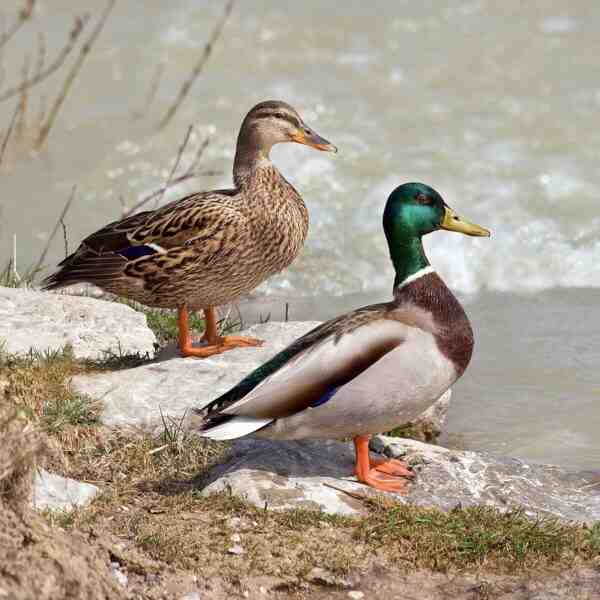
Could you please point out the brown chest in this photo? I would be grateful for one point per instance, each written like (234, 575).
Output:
(450, 325)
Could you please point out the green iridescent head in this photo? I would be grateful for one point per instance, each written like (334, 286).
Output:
(412, 211)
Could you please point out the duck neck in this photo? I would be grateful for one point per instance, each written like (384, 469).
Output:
(409, 260)
(251, 154)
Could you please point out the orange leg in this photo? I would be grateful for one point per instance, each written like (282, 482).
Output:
(211, 332)
(215, 343)
(368, 471)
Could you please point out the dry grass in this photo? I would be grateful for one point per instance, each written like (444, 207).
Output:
(21, 445)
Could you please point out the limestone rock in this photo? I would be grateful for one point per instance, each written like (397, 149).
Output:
(60, 493)
(316, 474)
(48, 321)
(136, 397)
(427, 427)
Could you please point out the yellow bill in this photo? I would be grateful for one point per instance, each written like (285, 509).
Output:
(452, 222)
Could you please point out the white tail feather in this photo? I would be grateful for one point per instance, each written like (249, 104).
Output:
(235, 428)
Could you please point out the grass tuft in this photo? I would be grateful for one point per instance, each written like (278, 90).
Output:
(474, 537)
(164, 323)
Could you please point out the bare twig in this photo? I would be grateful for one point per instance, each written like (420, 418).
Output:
(154, 85)
(41, 112)
(85, 50)
(199, 153)
(153, 195)
(190, 173)
(24, 15)
(9, 132)
(180, 152)
(56, 226)
(41, 55)
(65, 238)
(42, 74)
(362, 497)
(21, 124)
(208, 49)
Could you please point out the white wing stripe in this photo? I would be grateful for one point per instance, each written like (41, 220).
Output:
(235, 428)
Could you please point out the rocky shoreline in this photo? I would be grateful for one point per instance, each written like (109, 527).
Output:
(277, 475)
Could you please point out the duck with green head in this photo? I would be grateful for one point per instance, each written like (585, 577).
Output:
(372, 369)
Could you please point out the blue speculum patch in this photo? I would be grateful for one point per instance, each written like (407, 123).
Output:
(325, 397)
(134, 252)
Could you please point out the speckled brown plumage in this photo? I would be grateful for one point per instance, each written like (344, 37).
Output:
(208, 248)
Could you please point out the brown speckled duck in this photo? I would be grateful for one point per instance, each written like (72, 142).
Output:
(208, 248)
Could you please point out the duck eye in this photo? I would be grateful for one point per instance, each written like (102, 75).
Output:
(423, 199)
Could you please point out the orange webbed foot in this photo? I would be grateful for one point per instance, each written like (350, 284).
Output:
(239, 341)
(385, 475)
(214, 343)
(223, 344)
(392, 466)
(383, 482)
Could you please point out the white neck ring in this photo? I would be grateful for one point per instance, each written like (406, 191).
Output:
(417, 275)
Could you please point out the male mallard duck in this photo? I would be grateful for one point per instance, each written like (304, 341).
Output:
(208, 248)
(372, 369)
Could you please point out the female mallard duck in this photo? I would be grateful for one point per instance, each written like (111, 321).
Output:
(369, 370)
(208, 248)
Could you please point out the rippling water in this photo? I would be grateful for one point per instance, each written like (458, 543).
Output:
(494, 104)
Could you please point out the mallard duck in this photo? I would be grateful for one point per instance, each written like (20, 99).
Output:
(369, 370)
(208, 248)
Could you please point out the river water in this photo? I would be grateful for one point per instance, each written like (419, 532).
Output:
(495, 104)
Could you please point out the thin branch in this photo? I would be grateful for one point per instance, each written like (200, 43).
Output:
(190, 173)
(85, 50)
(24, 15)
(208, 49)
(193, 165)
(41, 55)
(153, 195)
(180, 152)
(9, 132)
(56, 226)
(362, 497)
(21, 124)
(42, 74)
(65, 238)
(153, 89)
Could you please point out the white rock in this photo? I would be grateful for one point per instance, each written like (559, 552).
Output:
(191, 596)
(136, 397)
(237, 550)
(120, 576)
(49, 321)
(60, 493)
(356, 595)
(316, 474)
